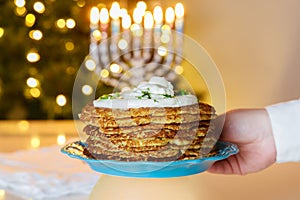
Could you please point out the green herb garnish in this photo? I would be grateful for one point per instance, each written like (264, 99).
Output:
(167, 96)
(145, 94)
(182, 92)
(109, 96)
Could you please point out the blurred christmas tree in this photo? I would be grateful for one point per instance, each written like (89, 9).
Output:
(42, 46)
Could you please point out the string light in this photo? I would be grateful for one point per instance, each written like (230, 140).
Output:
(70, 23)
(36, 34)
(69, 46)
(29, 20)
(35, 92)
(61, 23)
(32, 82)
(1, 32)
(20, 3)
(33, 56)
(20, 11)
(80, 3)
(39, 7)
(61, 100)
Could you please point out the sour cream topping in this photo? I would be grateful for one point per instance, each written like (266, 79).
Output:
(157, 92)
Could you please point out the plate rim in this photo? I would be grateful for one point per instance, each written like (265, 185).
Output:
(229, 150)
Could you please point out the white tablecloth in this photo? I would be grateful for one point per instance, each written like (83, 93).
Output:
(45, 173)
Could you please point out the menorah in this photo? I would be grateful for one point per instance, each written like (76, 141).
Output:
(147, 46)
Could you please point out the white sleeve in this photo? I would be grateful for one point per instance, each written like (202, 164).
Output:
(285, 121)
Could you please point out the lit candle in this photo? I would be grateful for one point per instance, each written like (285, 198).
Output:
(115, 15)
(138, 16)
(94, 22)
(148, 25)
(179, 12)
(141, 5)
(104, 20)
(158, 16)
(137, 31)
(124, 44)
(148, 21)
(170, 17)
(179, 24)
(94, 25)
(126, 23)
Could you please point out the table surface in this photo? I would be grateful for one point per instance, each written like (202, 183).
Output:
(280, 181)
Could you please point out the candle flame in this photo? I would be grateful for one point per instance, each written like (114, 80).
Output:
(170, 15)
(104, 16)
(123, 12)
(126, 22)
(94, 15)
(148, 20)
(115, 10)
(141, 5)
(158, 14)
(179, 10)
(138, 15)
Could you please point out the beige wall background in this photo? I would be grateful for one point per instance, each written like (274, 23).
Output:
(255, 45)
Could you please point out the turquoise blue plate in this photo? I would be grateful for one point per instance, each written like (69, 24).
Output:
(150, 169)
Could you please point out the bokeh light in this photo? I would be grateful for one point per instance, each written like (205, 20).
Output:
(20, 3)
(90, 64)
(178, 69)
(115, 68)
(69, 46)
(61, 23)
(39, 7)
(32, 82)
(141, 5)
(61, 139)
(36, 34)
(30, 20)
(122, 44)
(33, 56)
(35, 92)
(97, 35)
(104, 73)
(87, 90)
(61, 100)
(162, 51)
(23, 125)
(70, 23)
(35, 142)
(1, 32)
(20, 11)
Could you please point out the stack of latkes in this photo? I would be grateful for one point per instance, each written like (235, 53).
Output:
(150, 133)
